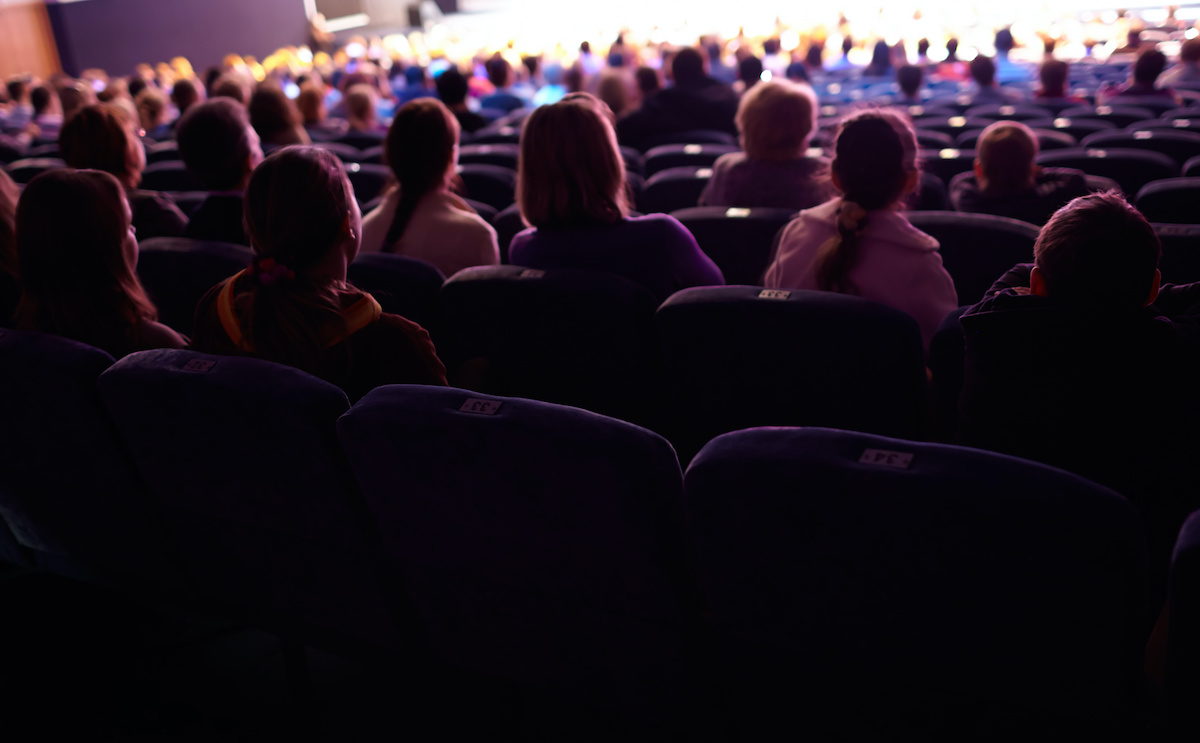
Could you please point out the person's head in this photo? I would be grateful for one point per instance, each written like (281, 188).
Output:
(613, 89)
(499, 71)
(647, 80)
(18, 90)
(1133, 38)
(1004, 41)
(1189, 51)
(1053, 74)
(304, 227)
(797, 72)
(687, 67)
(847, 44)
(136, 85)
(1097, 251)
(713, 50)
(43, 100)
(922, 48)
(232, 85)
(881, 57)
(1149, 66)
(360, 106)
(452, 87)
(104, 137)
(1004, 157)
(776, 119)
(421, 148)
(272, 113)
(77, 256)
(983, 71)
(813, 57)
(311, 103)
(952, 49)
(74, 97)
(909, 78)
(152, 108)
(571, 172)
(184, 94)
(218, 145)
(750, 70)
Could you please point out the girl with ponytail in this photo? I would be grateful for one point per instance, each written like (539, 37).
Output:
(859, 243)
(421, 218)
(293, 305)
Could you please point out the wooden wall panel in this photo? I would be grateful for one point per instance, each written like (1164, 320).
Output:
(26, 39)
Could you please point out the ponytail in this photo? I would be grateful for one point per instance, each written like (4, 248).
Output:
(839, 255)
(419, 150)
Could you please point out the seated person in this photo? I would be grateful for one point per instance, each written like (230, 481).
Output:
(221, 149)
(775, 120)
(1007, 182)
(1053, 75)
(506, 98)
(152, 113)
(1082, 361)
(695, 101)
(274, 117)
(421, 218)
(909, 78)
(47, 111)
(986, 91)
(1143, 81)
(293, 305)
(77, 258)
(858, 242)
(1187, 72)
(452, 89)
(104, 137)
(314, 115)
(578, 215)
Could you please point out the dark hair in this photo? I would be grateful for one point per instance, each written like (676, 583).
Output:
(531, 63)
(136, 85)
(875, 155)
(1053, 75)
(419, 149)
(214, 142)
(272, 113)
(750, 70)
(498, 70)
(847, 44)
(16, 89)
(909, 79)
(1098, 250)
(451, 87)
(77, 269)
(1149, 66)
(983, 71)
(297, 207)
(1004, 40)
(184, 95)
(922, 47)
(687, 67)
(813, 57)
(770, 46)
(40, 99)
(98, 137)
(1189, 51)
(881, 60)
(952, 49)
(647, 80)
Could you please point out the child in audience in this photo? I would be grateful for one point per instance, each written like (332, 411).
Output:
(571, 190)
(103, 137)
(77, 254)
(859, 243)
(775, 120)
(1006, 180)
(221, 149)
(421, 218)
(293, 305)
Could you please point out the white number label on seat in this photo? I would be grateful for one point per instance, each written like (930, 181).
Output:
(899, 459)
(480, 407)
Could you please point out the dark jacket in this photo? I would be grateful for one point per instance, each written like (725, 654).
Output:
(218, 218)
(1053, 188)
(706, 104)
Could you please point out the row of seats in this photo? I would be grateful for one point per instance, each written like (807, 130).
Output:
(811, 581)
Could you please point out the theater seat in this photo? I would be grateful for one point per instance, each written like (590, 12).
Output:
(582, 338)
(1128, 167)
(187, 201)
(504, 155)
(742, 356)
(1077, 128)
(24, 171)
(977, 249)
(508, 223)
(685, 155)
(1171, 200)
(691, 136)
(870, 588)
(1007, 112)
(177, 272)
(242, 458)
(170, 175)
(1180, 263)
(1183, 639)
(491, 184)
(739, 241)
(1047, 139)
(946, 164)
(673, 189)
(541, 544)
(368, 180)
(163, 151)
(1119, 116)
(346, 153)
(1180, 146)
(952, 125)
(403, 286)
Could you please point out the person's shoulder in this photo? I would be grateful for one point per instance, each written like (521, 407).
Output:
(153, 334)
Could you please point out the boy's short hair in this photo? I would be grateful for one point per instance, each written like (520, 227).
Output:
(1098, 250)
(776, 120)
(1006, 151)
(1149, 66)
(983, 70)
(451, 87)
(214, 142)
(909, 78)
(1053, 74)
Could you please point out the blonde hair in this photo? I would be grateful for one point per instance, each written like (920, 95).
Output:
(1006, 151)
(571, 172)
(776, 119)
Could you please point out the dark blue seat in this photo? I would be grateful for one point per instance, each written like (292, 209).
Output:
(68, 489)
(1047, 139)
(1130, 168)
(361, 140)
(742, 356)
(368, 180)
(163, 151)
(170, 175)
(1180, 146)
(1180, 262)
(928, 139)
(508, 223)
(739, 241)
(1007, 112)
(684, 155)
(946, 164)
(1077, 128)
(504, 155)
(574, 337)
(931, 194)
(346, 153)
(403, 286)
(1183, 639)
(493, 185)
(187, 201)
(1171, 200)
(540, 544)
(242, 457)
(870, 588)
(977, 248)
(691, 136)
(24, 171)
(1168, 124)
(673, 189)
(952, 125)
(496, 135)
(634, 163)
(372, 155)
(178, 271)
(1119, 116)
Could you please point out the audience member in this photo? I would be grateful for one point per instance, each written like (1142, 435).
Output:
(77, 258)
(843, 62)
(47, 113)
(881, 61)
(293, 305)
(362, 114)
(1008, 71)
(452, 90)
(750, 73)
(952, 68)
(695, 101)
(20, 110)
(572, 192)
(184, 95)
(221, 149)
(275, 117)
(318, 125)
(421, 218)
(1143, 81)
(1053, 75)
(507, 98)
(909, 79)
(416, 85)
(152, 113)
(102, 137)
(1006, 181)
(858, 243)
(716, 67)
(233, 85)
(983, 75)
(648, 82)
(1187, 72)
(613, 88)
(776, 120)
(74, 96)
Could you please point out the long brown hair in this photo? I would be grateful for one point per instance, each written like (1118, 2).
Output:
(77, 259)
(419, 149)
(100, 137)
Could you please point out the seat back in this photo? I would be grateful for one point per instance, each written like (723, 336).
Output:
(673, 189)
(691, 136)
(170, 175)
(573, 337)
(946, 164)
(741, 356)
(1130, 168)
(493, 185)
(684, 155)
(368, 180)
(1180, 146)
(889, 589)
(178, 271)
(1007, 112)
(403, 286)
(503, 155)
(68, 490)
(977, 248)
(738, 240)
(242, 456)
(508, 223)
(1118, 116)
(24, 171)
(345, 152)
(539, 543)
(1183, 640)
(1180, 263)
(1172, 200)
(1077, 128)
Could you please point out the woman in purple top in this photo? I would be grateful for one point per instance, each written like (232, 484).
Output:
(571, 191)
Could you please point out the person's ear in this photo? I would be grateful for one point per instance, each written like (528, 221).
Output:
(1154, 287)
(978, 168)
(913, 181)
(837, 182)
(1037, 282)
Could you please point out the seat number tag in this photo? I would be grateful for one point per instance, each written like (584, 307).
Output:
(531, 273)
(480, 407)
(898, 459)
(199, 365)
(774, 294)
